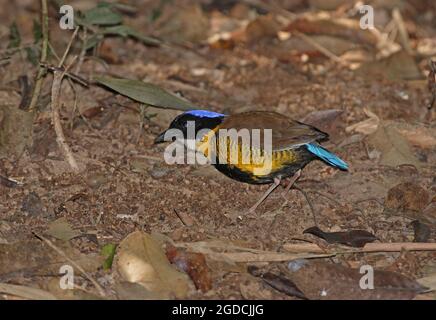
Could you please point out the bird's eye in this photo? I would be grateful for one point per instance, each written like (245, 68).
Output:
(173, 139)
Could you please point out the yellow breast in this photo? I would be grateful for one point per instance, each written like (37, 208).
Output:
(243, 156)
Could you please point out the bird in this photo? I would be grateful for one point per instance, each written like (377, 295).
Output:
(292, 145)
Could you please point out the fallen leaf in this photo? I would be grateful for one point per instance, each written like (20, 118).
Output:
(393, 147)
(33, 256)
(146, 93)
(101, 15)
(61, 229)
(407, 196)
(428, 282)
(15, 131)
(134, 291)
(327, 281)
(367, 126)
(126, 31)
(108, 251)
(278, 282)
(429, 213)
(352, 238)
(194, 264)
(26, 292)
(140, 259)
(398, 66)
(254, 289)
(186, 23)
(262, 27)
(324, 119)
(421, 230)
(419, 135)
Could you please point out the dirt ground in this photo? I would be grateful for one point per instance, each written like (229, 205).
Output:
(124, 185)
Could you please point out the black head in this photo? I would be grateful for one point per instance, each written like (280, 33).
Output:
(191, 122)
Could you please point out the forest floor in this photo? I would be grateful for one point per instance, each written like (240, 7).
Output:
(375, 110)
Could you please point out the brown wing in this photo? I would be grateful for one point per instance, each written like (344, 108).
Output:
(286, 133)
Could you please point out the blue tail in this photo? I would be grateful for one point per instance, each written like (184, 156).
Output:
(326, 156)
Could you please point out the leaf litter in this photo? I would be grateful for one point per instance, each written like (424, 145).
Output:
(363, 87)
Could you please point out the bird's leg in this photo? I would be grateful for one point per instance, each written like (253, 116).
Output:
(291, 183)
(265, 195)
(304, 193)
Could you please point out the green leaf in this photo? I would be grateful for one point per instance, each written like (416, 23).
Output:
(93, 41)
(37, 31)
(126, 31)
(32, 55)
(14, 36)
(108, 251)
(102, 15)
(61, 229)
(146, 93)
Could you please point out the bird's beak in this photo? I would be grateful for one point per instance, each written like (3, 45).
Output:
(160, 138)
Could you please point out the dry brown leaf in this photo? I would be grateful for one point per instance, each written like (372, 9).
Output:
(34, 257)
(194, 264)
(417, 134)
(62, 230)
(367, 126)
(398, 66)
(15, 131)
(183, 23)
(428, 282)
(407, 196)
(327, 281)
(141, 259)
(26, 292)
(393, 147)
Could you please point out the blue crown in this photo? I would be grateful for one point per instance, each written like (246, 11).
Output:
(205, 114)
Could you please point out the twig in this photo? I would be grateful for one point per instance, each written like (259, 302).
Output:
(41, 70)
(63, 254)
(320, 48)
(369, 247)
(73, 76)
(55, 107)
(55, 97)
(185, 218)
(263, 257)
(404, 36)
(8, 182)
(82, 51)
(61, 62)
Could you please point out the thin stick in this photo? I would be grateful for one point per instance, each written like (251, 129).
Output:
(41, 70)
(63, 254)
(263, 257)
(61, 62)
(306, 196)
(369, 247)
(55, 107)
(185, 218)
(60, 137)
(404, 36)
(321, 49)
(82, 52)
